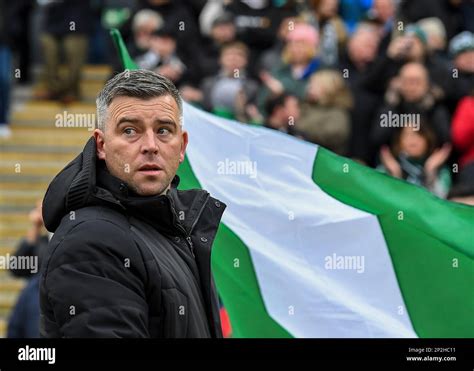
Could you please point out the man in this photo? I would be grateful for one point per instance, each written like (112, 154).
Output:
(356, 62)
(65, 30)
(282, 112)
(410, 93)
(461, 49)
(130, 256)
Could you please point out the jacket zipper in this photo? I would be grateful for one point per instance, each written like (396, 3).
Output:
(190, 244)
(187, 236)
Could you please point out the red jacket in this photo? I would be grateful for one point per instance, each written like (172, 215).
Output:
(462, 130)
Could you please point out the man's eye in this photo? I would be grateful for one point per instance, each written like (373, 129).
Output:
(129, 131)
(163, 131)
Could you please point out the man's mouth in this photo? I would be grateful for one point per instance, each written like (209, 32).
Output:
(150, 169)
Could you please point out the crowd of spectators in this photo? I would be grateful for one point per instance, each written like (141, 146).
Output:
(388, 83)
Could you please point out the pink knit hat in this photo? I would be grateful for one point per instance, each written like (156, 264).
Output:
(303, 32)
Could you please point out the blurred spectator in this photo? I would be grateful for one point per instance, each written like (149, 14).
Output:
(24, 319)
(34, 241)
(414, 157)
(410, 47)
(300, 60)
(256, 21)
(282, 113)
(271, 58)
(383, 13)
(113, 14)
(411, 93)
(65, 29)
(211, 10)
(179, 18)
(461, 48)
(231, 91)
(20, 31)
(162, 57)
(448, 11)
(462, 131)
(5, 68)
(435, 34)
(178, 15)
(222, 32)
(144, 23)
(332, 30)
(325, 116)
(355, 63)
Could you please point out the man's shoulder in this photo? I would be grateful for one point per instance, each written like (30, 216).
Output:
(90, 233)
(99, 215)
(95, 225)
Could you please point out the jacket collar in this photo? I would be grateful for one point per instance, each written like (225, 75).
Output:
(175, 212)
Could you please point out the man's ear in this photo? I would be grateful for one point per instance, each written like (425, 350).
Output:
(100, 143)
(184, 144)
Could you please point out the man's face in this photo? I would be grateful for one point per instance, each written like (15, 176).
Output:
(412, 143)
(223, 33)
(143, 142)
(362, 46)
(233, 59)
(328, 8)
(385, 9)
(414, 82)
(416, 49)
(163, 45)
(465, 61)
(143, 34)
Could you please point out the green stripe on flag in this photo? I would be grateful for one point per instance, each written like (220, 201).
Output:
(425, 235)
(235, 278)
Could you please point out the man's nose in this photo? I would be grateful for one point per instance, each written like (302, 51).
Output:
(149, 142)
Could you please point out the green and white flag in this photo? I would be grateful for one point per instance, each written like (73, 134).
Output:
(315, 245)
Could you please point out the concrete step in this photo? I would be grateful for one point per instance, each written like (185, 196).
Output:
(30, 167)
(18, 186)
(35, 148)
(20, 197)
(40, 157)
(3, 327)
(7, 301)
(12, 284)
(73, 140)
(89, 71)
(52, 114)
(4, 250)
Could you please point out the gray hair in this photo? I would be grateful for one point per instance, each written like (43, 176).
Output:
(140, 84)
(142, 17)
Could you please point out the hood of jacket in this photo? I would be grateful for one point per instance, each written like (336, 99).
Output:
(85, 181)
